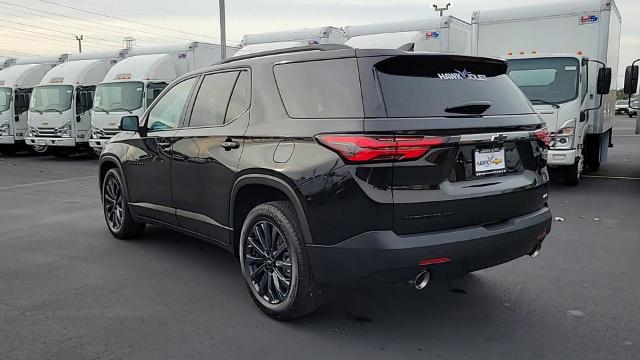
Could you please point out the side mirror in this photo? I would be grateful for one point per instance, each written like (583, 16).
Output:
(631, 80)
(129, 123)
(604, 81)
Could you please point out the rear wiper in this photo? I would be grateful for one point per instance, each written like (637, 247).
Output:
(546, 102)
(53, 110)
(472, 108)
(98, 108)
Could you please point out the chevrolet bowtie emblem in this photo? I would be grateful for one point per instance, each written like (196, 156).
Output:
(45, 123)
(113, 123)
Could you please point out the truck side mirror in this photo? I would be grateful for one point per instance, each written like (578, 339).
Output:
(129, 123)
(631, 80)
(604, 81)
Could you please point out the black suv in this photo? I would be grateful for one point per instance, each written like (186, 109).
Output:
(324, 165)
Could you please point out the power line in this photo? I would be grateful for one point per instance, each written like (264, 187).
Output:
(49, 35)
(130, 21)
(53, 30)
(125, 20)
(5, 51)
(94, 24)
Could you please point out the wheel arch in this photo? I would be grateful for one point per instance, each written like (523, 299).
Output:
(107, 162)
(266, 181)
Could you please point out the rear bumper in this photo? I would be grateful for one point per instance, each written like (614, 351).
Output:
(562, 157)
(51, 141)
(7, 140)
(382, 257)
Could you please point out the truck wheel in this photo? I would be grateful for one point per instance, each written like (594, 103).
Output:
(573, 173)
(274, 262)
(8, 149)
(39, 149)
(116, 208)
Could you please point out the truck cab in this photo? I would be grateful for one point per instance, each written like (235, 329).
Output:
(16, 85)
(559, 89)
(59, 109)
(135, 82)
(128, 89)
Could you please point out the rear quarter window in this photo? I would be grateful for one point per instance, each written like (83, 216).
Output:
(320, 89)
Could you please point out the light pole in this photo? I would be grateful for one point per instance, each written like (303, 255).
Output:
(223, 32)
(441, 9)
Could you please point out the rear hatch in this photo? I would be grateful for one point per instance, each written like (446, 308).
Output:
(472, 149)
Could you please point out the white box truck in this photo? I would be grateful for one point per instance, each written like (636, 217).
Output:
(59, 110)
(252, 43)
(561, 56)
(16, 85)
(444, 34)
(132, 84)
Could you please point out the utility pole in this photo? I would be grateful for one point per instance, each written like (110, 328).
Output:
(129, 42)
(223, 32)
(441, 9)
(80, 38)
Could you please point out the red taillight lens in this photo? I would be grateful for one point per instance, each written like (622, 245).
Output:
(543, 135)
(360, 148)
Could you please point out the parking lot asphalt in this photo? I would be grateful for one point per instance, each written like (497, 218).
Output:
(68, 290)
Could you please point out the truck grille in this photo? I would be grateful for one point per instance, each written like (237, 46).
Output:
(105, 133)
(44, 132)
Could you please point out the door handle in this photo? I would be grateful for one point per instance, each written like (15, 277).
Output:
(229, 145)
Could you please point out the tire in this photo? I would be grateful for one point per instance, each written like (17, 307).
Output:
(38, 149)
(115, 207)
(8, 150)
(268, 287)
(573, 173)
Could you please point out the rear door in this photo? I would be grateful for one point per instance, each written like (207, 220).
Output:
(207, 150)
(474, 159)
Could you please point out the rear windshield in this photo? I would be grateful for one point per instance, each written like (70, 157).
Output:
(436, 86)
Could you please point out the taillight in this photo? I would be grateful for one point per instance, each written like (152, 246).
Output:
(544, 136)
(361, 148)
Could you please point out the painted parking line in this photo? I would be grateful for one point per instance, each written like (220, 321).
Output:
(47, 182)
(611, 177)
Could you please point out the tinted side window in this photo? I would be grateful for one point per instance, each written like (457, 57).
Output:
(320, 89)
(240, 98)
(211, 103)
(168, 110)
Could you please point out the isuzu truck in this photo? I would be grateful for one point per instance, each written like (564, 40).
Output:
(59, 110)
(561, 56)
(133, 83)
(252, 43)
(444, 34)
(16, 85)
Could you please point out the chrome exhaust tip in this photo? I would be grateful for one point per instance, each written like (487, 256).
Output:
(422, 280)
(536, 251)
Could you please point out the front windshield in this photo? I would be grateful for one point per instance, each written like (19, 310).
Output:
(120, 96)
(51, 98)
(5, 99)
(552, 80)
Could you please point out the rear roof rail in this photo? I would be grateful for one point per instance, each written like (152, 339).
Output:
(297, 49)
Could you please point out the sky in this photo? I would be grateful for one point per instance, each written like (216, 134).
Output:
(46, 27)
